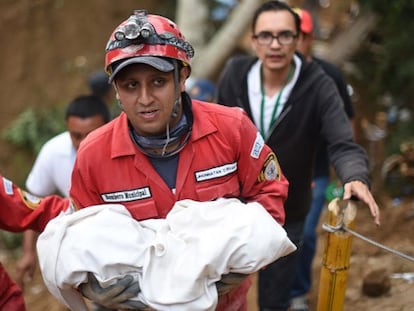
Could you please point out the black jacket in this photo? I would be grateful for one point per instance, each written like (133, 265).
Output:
(314, 111)
(321, 167)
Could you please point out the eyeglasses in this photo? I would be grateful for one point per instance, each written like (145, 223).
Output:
(283, 38)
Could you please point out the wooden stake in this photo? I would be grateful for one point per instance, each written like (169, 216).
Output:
(335, 264)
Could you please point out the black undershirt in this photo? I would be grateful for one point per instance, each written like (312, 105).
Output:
(166, 168)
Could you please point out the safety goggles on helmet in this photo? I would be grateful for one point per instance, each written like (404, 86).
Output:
(148, 37)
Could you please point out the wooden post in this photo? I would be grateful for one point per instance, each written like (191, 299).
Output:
(335, 264)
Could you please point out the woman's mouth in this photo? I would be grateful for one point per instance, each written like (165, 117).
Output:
(151, 114)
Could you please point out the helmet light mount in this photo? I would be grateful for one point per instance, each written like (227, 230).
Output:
(143, 34)
(136, 26)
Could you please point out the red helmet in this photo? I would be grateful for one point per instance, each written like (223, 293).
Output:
(306, 22)
(146, 38)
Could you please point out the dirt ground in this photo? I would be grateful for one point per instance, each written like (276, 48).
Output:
(395, 232)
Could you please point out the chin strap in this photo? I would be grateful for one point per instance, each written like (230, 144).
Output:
(176, 105)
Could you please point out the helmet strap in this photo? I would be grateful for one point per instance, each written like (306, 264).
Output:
(176, 105)
(120, 105)
(177, 93)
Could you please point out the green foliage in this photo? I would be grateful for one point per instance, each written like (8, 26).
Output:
(32, 128)
(386, 58)
(399, 133)
(11, 240)
(386, 65)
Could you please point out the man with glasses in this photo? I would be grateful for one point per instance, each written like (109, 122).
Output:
(295, 105)
(266, 37)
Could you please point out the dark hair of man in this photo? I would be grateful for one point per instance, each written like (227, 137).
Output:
(275, 6)
(98, 83)
(86, 106)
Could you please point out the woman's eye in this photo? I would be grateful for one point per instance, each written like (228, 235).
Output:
(132, 85)
(159, 82)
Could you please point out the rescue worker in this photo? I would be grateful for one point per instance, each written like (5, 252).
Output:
(165, 147)
(20, 210)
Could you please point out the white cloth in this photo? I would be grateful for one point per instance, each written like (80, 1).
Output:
(176, 260)
(53, 167)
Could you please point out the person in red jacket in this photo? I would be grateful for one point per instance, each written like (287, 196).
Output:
(20, 210)
(165, 147)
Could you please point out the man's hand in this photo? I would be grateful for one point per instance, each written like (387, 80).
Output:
(115, 296)
(229, 281)
(360, 190)
(26, 266)
(25, 269)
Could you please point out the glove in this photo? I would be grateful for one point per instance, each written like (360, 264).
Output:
(229, 281)
(115, 296)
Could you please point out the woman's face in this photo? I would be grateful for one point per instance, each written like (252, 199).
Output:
(147, 96)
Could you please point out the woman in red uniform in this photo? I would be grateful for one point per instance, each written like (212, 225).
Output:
(20, 210)
(165, 147)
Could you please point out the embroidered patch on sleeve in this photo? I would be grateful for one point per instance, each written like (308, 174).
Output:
(257, 146)
(29, 199)
(270, 169)
(8, 186)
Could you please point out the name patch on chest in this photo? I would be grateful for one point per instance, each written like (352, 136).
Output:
(216, 172)
(127, 195)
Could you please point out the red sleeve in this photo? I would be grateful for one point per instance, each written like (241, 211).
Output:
(260, 172)
(11, 296)
(82, 193)
(20, 210)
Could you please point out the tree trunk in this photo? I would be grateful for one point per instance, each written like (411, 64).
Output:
(211, 55)
(348, 42)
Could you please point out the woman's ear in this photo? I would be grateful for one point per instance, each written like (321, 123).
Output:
(184, 74)
(118, 99)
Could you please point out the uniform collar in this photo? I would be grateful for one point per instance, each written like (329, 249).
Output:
(122, 145)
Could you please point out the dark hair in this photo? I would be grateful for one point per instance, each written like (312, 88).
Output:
(275, 6)
(98, 83)
(86, 106)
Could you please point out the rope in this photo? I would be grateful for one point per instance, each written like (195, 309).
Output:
(341, 227)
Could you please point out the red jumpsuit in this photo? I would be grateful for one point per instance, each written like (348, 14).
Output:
(224, 157)
(19, 210)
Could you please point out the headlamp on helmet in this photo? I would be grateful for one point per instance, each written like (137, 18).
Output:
(136, 25)
(147, 35)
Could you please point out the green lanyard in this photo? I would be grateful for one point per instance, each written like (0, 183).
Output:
(262, 104)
